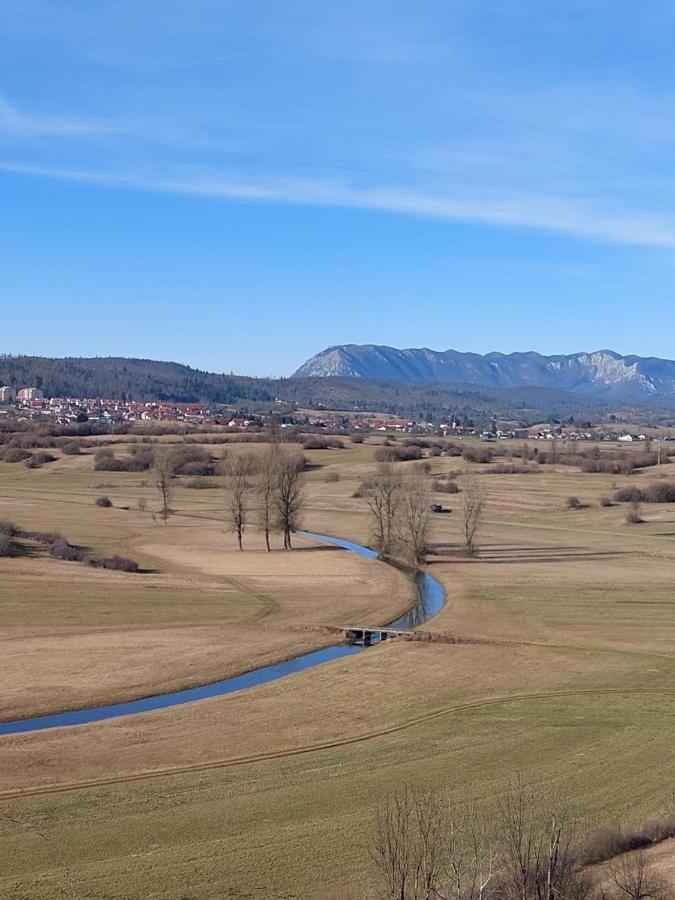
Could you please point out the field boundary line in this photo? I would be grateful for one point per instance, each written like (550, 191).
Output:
(232, 762)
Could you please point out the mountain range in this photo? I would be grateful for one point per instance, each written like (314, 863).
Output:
(603, 374)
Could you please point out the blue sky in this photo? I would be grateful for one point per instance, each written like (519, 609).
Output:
(236, 185)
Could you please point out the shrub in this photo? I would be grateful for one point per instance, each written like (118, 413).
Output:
(7, 546)
(39, 459)
(397, 454)
(15, 454)
(123, 464)
(358, 439)
(606, 501)
(141, 504)
(663, 492)
(629, 495)
(573, 503)
(322, 443)
(9, 529)
(117, 563)
(105, 502)
(331, 477)
(62, 549)
(446, 486)
(477, 454)
(72, 448)
(190, 460)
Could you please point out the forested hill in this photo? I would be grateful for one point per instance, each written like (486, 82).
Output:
(144, 379)
(137, 379)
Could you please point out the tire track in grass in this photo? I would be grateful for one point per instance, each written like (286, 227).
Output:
(232, 762)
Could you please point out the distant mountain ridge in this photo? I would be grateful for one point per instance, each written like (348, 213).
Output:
(602, 374)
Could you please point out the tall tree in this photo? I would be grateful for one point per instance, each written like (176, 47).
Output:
(472, 513)
(163, 472)
(289, 492)
(238, 469)
(413, 516)
(266, 490)
(383, 494)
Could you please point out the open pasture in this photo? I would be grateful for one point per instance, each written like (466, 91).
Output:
(568, 678)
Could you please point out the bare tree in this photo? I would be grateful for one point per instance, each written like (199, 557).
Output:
(383, 493)
(634, 879)
(408, 844)
(288, 493)
(540, 849)
(163, 475)
(634, 514)
(473, 504)
(238, 468)
(472, 858)
(413, 516)
(266, 489)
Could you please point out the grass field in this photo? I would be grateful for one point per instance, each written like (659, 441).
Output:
(271, 793)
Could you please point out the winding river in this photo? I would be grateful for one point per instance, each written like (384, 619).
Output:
(431, 599)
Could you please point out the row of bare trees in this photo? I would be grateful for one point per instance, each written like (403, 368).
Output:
(264, 489)
(427, 848)
(399, 509)
(268, 487)
(399, 505)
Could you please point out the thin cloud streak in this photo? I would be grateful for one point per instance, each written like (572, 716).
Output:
(543, 213)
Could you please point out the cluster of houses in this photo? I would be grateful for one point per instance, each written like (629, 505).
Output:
(30, 402)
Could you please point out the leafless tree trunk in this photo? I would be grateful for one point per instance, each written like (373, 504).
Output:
(163, 476)
(289, 492)
(472, 509)
(635, 880)
(634, 515)
(383, 492)
(413, 517)
(266, 491)
(238, 468)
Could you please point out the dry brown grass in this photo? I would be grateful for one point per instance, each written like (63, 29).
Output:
(278, 785)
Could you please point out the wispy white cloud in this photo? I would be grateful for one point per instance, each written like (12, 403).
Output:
(15, 123)
(540, 212)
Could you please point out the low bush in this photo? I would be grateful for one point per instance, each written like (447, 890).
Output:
(606, 501)
(573, 503)
(358, 439)
(446, 486)
(331, 477)
(39, 459)
(477, 454)
(121, 464)
(629, 495)
(610, 842)
(105, 502)
(397, 454)
(8, 528)
(15, 455)
(117, 563)
(191, 460)
(7, 546)
(317, 442)
(72, 448)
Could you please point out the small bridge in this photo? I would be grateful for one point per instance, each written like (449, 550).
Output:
(367, 634)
